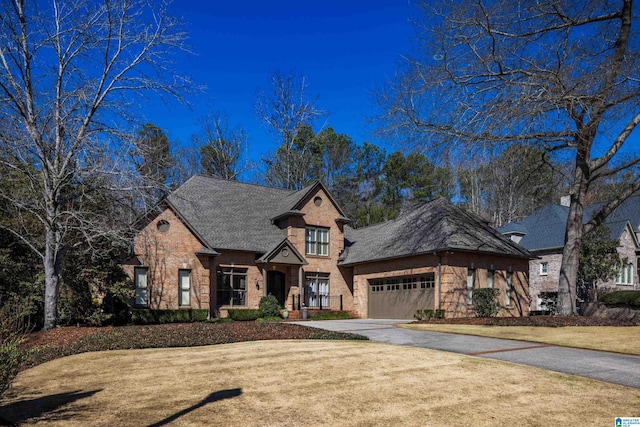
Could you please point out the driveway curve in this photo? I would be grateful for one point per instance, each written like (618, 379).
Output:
(604, 366)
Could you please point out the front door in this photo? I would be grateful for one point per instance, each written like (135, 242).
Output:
(275, 285)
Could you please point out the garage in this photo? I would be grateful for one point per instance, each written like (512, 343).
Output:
(400, 297)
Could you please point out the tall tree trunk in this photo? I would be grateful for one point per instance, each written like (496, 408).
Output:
(573, 239)
(52, 273)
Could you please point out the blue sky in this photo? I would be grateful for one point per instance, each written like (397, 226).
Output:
(344, 48)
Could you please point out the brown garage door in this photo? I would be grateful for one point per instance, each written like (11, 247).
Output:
(400, 297)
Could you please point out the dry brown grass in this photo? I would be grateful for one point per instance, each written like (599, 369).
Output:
(620, 339)
(307, 383)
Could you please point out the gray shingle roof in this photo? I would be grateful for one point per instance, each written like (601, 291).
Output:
(231, 214)
(429, 227)
(545, 228)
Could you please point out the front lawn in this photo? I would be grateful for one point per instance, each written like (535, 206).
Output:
(301, 383)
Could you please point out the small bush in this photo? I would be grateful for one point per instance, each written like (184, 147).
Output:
(13, 330)
(428, 314)
(549, 302)
(622, 298)
(439, 313)
(337, 315)
(418, 316)
(269, 306)
(146, 316)
(485, 302)
(244, 314)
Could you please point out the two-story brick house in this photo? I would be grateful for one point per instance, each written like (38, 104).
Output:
(220, 244)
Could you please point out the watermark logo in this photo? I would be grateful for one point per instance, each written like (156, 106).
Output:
(627, 422)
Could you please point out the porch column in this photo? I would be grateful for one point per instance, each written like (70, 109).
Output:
(300, 284)
(264, 279)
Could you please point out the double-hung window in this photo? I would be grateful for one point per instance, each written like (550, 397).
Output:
(184, 285)
(317, 241)
(509, 288)
(544, 268)
(470, 278)
(232, 286)
(317, 290)
(625, 275)
(490, 275)
(140, 278)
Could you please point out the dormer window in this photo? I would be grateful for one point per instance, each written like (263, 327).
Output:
(317, 241)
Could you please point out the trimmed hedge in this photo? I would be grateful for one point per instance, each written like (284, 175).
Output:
(244, 314)
(147, 316)
(485, 302)
(622, 298)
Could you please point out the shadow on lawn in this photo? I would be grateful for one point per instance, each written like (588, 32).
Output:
(18, 412)
(213, 397)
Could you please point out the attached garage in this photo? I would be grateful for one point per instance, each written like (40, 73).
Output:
(400, 297)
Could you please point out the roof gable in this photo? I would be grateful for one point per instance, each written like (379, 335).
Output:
(284, 253)
(232, 215)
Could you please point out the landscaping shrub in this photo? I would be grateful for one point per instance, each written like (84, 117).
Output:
(439, 313)
(622, 298)
(418, 316)
(428, 314)
(269, 306)
(13, 331)
(335, 315)
(548, 302)
(485, 302)
(145, 316)
(244, 314)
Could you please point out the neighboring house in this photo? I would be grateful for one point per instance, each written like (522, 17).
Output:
(542, 233)
(220, 244)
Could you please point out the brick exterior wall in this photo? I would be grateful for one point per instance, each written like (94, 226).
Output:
(549, 282)
(164, 254)
(340, 282)
(453, 281)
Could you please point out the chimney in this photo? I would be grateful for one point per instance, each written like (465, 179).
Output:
(565, 200)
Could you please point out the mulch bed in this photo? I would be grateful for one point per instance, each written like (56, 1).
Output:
(547, 321)
(65, 341)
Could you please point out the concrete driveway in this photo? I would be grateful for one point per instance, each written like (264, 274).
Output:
(599, 365)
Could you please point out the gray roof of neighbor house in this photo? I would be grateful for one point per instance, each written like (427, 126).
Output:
(545, 228)
(234, 215)
(430, 227)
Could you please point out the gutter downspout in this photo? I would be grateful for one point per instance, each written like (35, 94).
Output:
(439, 280)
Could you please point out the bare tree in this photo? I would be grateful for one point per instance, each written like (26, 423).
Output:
(559, 74)
(68, 70)
(285, 109)
(222, 149)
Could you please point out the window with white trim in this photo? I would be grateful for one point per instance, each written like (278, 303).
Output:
(470, 279)
(625, 275)
(317, 290)
(509, 288)
(140, 279)
(232, 286)
(490, 275)
(184, 288)
(317, 241)
(544, 268)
